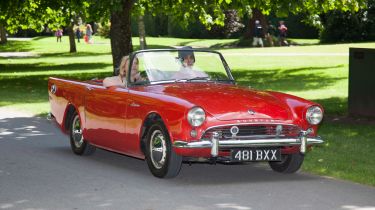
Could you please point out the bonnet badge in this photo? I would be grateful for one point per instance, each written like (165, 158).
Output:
(251, 112)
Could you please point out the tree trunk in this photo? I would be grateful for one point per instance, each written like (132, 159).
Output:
(120, 33)
(142, 33)
(72, 42)
(3, 37)
(257, 15)
(170, 26)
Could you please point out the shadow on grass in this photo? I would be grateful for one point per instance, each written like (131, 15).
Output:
(81, 54)
(36, 67)
(77, 54)
(187, 43)
(229, 45)
(33, 89)
(16, 46)
(213, 47)
(137, 47)
(41, 37)
(238, 44)
(334, 106)
(285, 80)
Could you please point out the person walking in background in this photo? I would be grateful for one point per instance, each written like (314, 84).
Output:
(58, 34)
(88, 33)
(258, 34)
(78, 34)
(271, 31)
(282, 34)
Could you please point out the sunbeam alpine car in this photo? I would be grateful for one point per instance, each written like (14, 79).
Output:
(184, 106)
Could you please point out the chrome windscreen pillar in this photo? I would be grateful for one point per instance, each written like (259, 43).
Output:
(215, 144)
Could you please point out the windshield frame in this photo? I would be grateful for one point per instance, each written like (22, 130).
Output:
(133, 55)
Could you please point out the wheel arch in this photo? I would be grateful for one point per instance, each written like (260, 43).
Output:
(69, 111)
(148, 121)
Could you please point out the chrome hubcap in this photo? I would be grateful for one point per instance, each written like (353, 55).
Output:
(158, 149)
(77, 132)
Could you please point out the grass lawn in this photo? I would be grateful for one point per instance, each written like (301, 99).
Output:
(315, 72)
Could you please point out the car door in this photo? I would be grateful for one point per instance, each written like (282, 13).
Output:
(105, 112)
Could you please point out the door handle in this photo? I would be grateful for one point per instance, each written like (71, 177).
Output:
(133, 104)
(89, 88)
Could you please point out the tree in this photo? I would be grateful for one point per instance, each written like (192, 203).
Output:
(6, 11)
(120, 32)
(34, 14)
(15, 14)
(139, 11)
(142, 32)
(208, 12)
(354, 26)
(65, 13)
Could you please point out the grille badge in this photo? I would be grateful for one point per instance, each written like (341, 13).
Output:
(234, 130)
(279, 130)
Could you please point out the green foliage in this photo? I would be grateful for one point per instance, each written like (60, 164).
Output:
(23, 14)
(161, 25)
(35, 14)
(348, 26)
(211, 13)
(103, 31)
(342, 27)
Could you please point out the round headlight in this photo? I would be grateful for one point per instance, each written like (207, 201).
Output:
(196, 116)
(314, 115)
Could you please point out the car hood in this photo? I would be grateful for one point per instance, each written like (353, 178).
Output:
(228, 102)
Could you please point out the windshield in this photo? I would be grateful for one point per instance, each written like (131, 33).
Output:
(179, 65)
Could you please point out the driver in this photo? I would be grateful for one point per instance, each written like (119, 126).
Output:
(187, 59)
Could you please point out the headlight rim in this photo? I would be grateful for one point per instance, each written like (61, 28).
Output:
(309, 113)
(193, 111)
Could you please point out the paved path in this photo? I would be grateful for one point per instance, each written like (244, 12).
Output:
(17, 54)
(38, 171)
(287, 54)
(20, 38)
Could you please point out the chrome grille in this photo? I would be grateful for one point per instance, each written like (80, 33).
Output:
(254, 131)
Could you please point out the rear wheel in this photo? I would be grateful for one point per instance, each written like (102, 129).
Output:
(78, 144)
(290, 163)
(162, 161)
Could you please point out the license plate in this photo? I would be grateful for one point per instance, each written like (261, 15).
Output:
(256, 154)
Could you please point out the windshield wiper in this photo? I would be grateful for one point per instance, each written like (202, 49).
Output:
(224, 80)
(199, 78)
(204, 79)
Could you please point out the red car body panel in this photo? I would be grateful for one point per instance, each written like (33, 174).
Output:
(112, 118)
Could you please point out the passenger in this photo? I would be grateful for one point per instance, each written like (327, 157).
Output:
(135, 76)
(120, 80)
(187, 59)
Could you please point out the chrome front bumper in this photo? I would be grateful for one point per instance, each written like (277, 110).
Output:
(215, 144)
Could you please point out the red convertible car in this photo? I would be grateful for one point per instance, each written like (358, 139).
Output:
(185, 107)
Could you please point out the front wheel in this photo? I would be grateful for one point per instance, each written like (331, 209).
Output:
(290, 163)
(162, 161)
(78, 144)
